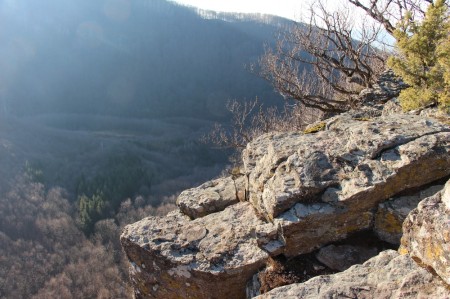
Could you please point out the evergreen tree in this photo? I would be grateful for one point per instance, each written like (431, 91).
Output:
(423, 60)
(443, 52)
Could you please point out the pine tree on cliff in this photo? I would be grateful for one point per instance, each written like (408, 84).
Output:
(423, 59)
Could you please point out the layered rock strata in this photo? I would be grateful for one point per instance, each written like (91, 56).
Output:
(317, 188)
(173, 257)
(304, 191)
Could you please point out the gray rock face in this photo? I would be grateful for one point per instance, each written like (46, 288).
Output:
(350, 158)
(392, 107)
(307, 227)
(174, 257)
(426, 233)
(391, 214)
(210, 197)
(318, 188)
(388, 275)
(305, 191)
(342, 257)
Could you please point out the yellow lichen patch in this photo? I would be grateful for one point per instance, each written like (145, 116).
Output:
(389, 223)
(433, 251)
(447, 122)
(446, 236)
(364, 221)
(362, 118)
(316, 128)
(403, 250)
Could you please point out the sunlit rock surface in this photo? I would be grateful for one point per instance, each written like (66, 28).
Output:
(305, 191)
(210, 257)
(212, 196)
(426, 233)
(388, 275)
(317, 188)
(351, 159)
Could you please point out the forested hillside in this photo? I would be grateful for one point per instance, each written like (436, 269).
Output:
(102, 105)
(127, 58)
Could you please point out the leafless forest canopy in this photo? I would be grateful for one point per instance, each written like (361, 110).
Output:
(102, 107)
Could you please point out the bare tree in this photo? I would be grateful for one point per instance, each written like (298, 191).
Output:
(389, 12)
(251, 119)
(326, 62)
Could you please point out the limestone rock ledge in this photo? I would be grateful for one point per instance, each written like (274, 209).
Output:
(318, 188)
(304, 191)
(350, 160)
(388, 275)
(174, 257)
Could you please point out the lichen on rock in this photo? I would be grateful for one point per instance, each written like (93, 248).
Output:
(426, 233)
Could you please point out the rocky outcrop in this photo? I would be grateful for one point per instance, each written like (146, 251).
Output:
(317, 188)
(173, 257)
(388, 275)
(426, 234)
(377, 158)
(305, 191)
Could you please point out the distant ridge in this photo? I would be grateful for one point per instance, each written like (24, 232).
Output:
(242, 17)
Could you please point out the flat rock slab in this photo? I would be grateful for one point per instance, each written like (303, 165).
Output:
(352, 157)
(211, 197)
(210, 257)
(307, 227)
(388, 275)
(426, 233)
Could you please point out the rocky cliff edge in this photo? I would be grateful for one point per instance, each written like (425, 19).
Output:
(300, 195)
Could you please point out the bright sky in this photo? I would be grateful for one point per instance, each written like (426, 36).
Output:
(290, 9)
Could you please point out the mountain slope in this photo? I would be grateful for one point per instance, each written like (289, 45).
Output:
(139, 58)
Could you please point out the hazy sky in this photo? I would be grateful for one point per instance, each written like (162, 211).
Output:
(286, 8)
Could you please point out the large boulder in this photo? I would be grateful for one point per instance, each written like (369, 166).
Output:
(317, 188)
(388, 275)
(426, 233)
(351, 157)
(210, 257)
